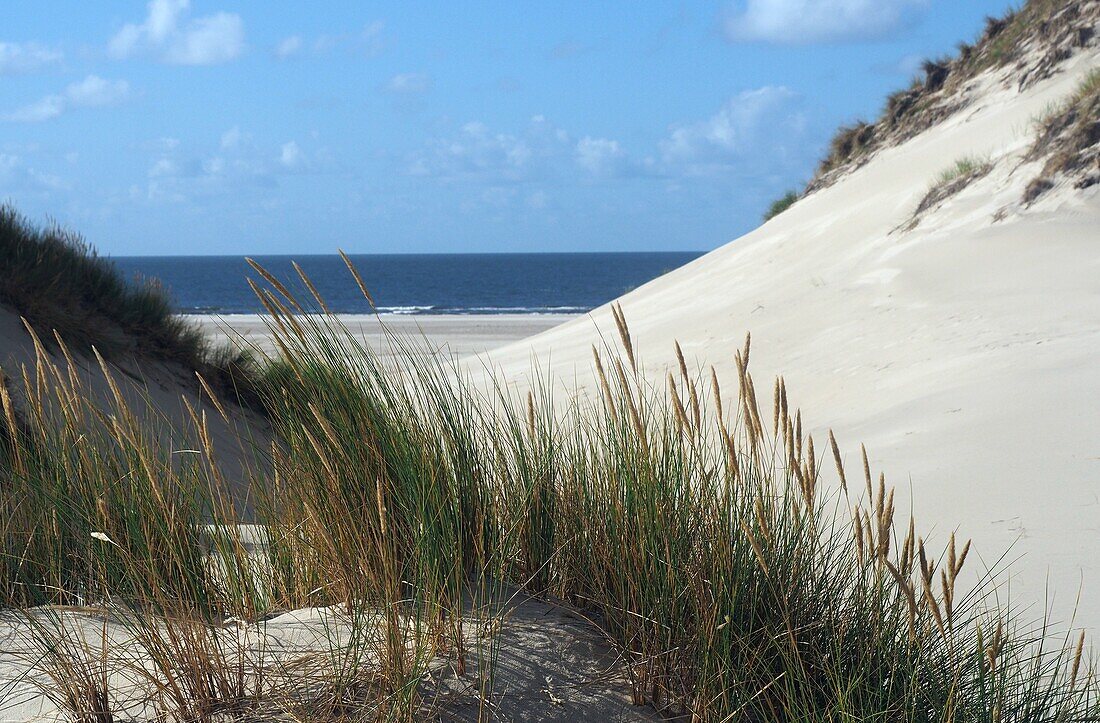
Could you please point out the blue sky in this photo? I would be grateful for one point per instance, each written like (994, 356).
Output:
(226, 127)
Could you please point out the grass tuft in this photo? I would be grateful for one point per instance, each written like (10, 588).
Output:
(691, 523)
(966, 167)
(1068, 138)
(781, 204)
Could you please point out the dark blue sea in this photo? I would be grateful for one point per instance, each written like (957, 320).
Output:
(414, 283)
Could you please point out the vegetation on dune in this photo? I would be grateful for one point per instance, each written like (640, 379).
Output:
(1068, 137)
(949, 182)
(56, 281)
(688, 519)
(780, 205)
(965, 167)
(1037, 37)
(849, 141)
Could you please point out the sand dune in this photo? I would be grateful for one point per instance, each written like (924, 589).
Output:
(158, 392)
(964, 352)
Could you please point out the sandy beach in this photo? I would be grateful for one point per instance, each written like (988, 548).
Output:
(453, 334)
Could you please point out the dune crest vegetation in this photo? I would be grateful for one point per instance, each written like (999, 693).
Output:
(1034, 40)
(1068, 137)
(56, 281)
(780, 205)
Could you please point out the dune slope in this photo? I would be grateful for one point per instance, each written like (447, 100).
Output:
(158, 391)
(961, 345)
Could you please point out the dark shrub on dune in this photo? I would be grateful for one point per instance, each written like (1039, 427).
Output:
(55, 280)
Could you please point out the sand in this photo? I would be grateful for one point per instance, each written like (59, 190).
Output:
(550, 664)
(965, 353)
(458, 335)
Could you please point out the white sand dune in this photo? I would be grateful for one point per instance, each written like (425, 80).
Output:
(965, 353)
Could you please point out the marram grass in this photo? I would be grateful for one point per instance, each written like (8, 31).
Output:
(696, 525)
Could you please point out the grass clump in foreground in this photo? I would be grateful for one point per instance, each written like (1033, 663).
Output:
(685, 517)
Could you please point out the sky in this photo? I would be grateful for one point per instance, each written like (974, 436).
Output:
(252, 127)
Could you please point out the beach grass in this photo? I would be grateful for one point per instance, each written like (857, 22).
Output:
(1046, 30)
(780, 205)
(1066, 137)
(56, 281)
(965, 167)
(739, 568)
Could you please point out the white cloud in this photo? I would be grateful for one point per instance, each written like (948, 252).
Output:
(207, 40)
(179, 174)
(756, 136)
(158, 26)
(754, 121)
(49, 107)
(372, 38)
(540, 151)
(163, 167)
(810, 21)
(15, 175)
(909, 65)
(291, 155)
(92, 92)
(477, 152)
(232, 138)
(600, 156)
(409, 84)
(289, 47)
(18, 58)
(370, 42)
(538, 200)
(214, 166)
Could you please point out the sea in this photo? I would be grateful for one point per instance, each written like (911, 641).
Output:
(543, 283)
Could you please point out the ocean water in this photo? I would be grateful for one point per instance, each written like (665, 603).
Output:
(414, 283)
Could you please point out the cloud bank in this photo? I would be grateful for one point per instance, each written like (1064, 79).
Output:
(20, 58)
(817, 21)
(168, 34)
(92, 92)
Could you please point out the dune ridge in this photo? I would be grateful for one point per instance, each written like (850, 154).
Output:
(958, 343)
